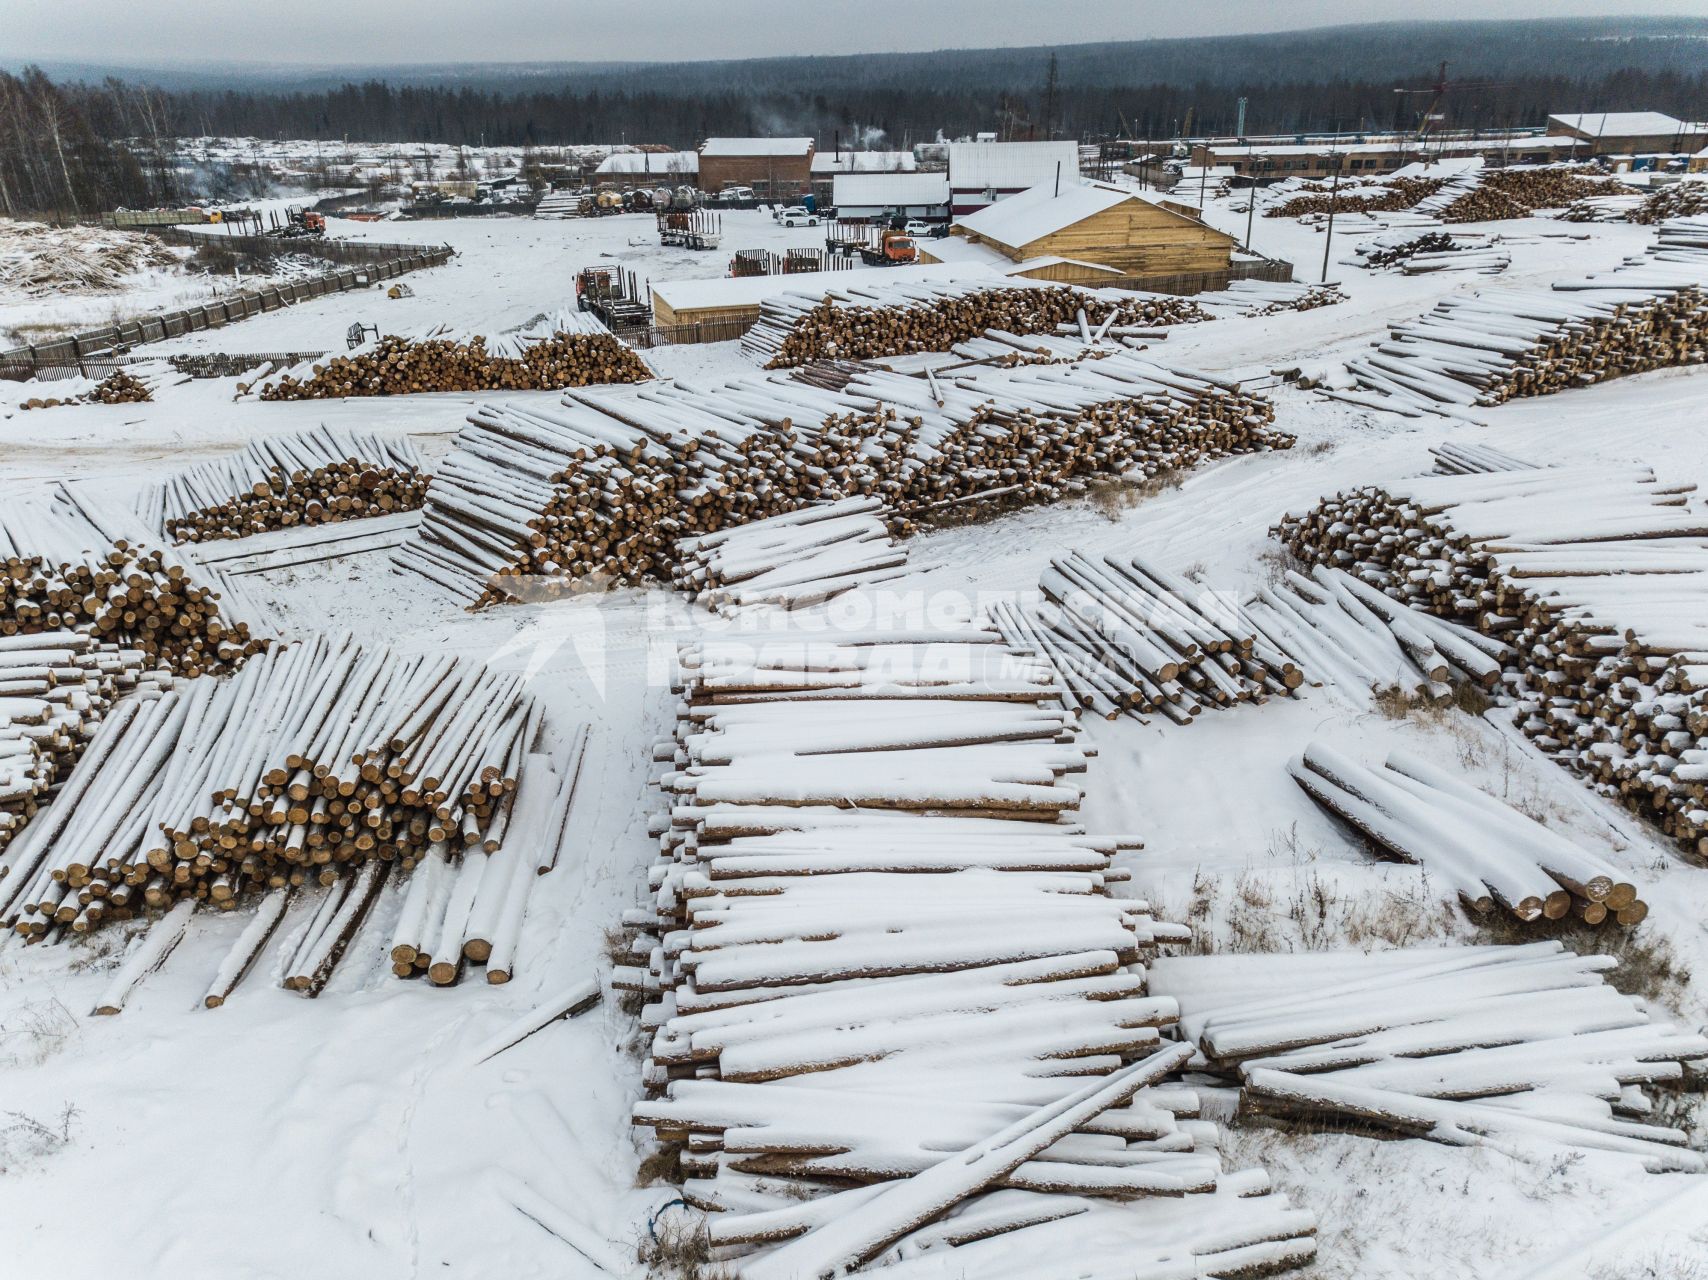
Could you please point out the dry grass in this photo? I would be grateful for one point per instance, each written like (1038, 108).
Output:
(1113, 497)
(1649, 964)
(1409, 704)
(25, 1137)
(36, 1031)
(663, 1164)
(1276, 561)
(681, 1249)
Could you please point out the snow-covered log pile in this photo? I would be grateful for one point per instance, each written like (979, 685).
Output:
(40, 261)
(1619, 208)
(801, 558)
(1497, 194)
(55, 687)
(1686, 199)
(1267, 298)
(1486, 348)
(1376, 195)
(1683, 240)
(1126, 636)
(66, 564)
(1594, 575)
(1416, 254)
(1486, 852)
(1455, 459)
(610, 479)
(875, 936)
(313, 477)
(1349, 635)
(572, 349)
(121, 386)
(864, 322)
(317, 765)
(1508, 1047)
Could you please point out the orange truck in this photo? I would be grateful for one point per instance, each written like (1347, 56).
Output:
(894, 249)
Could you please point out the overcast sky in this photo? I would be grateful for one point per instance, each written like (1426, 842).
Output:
(325, 32)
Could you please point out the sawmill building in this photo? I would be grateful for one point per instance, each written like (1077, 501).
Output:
(776, 168)
(981, 173)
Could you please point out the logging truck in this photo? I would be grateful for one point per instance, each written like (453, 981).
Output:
(893, 249)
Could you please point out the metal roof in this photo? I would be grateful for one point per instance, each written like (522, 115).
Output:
(756, 146)
(1620, 124)
(864, 162)
(861, 190)
(1009, 166)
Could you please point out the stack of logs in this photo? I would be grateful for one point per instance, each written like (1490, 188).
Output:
(1387, 195)
(1519, 192)
(1125, 636)
(69, 565)
(868, 322)
(875, 935)
(118, 387)
(1470, 843)
(318, 764)
(1486, 348)
(1508, 1047)
(314, 477)
(1432, 251)
(572, 350)
(609, 480)
(802, 558)
(1593, 575)
(1268, 298)
(1680, 200)
(55, 687)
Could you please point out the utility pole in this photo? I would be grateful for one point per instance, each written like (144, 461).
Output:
(1250, 192)
(1050, 85)
(1334, 191)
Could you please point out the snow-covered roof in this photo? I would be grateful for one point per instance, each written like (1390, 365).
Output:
(1039, 212)
(1009, 166)
(953, 249)
(756, 146)
(1234, 151)
(663, 163)
(1619, 124)
(749, 291)
(864, 162)
(861, 190)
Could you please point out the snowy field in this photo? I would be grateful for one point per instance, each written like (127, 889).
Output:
(355, 1135)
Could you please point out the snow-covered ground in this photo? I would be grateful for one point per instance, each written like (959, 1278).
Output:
(351, 1135)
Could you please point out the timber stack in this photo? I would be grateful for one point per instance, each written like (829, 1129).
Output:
(1484, 851)
(1127, 637)
(866, 322)
(55, 688)
(67, 564)
(1413, 254)
(875, 932)
(1520, 191)
(608, 481)
(321, 765)
(314, 477)
(572, 350)
(118, 387)
(1680, 200)
(1386, 195)
(1504, 1046)
(802, 558)
(1594, 576)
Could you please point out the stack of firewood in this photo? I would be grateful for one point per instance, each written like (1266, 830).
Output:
(1518, 192)
(1486, 348)
(1470, 843)
(803, 558)
(314, 477)
(67, 564)
(1508, 1047)
(318, 765)
(873, 938)
(1125, 636)
(871, 321)
(55, 688)
(609, 480)
(571, 350)
(1593, 575)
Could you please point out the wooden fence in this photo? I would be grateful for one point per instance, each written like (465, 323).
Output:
(376, 262)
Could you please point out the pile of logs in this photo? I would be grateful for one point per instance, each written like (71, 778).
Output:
(1454, 459)
(1486, 852)
(1267, 298)
(314, 477)
(1683, 240)
(1680, 200)
(1486, 348)
(1124, 636)
(874, 938)
(1506, 1047)
(317, 765)
(864, 322)
(67, 564)
(118, 387)
(1384, 195)
(1520, 191)
(1354, 638)
(1415, 254)
(609, 480)
(803, 558)
(571, 350)
(55, 687)
(1593, 575)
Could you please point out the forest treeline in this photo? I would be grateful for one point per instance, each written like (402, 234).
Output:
(86, 145)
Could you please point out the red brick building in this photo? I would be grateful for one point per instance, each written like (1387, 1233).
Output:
(776, 168)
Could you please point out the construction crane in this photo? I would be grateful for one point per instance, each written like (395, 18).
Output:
(1433, 113)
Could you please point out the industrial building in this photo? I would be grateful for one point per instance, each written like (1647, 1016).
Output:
(1608, 133)
(827, 166)
(726, 307)
(629, 169)
(1263, 162)
(981, 173)
(879, 195)
(776, 168)
(1147, 242)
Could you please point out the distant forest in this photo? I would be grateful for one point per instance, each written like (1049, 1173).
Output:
(57, 132)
